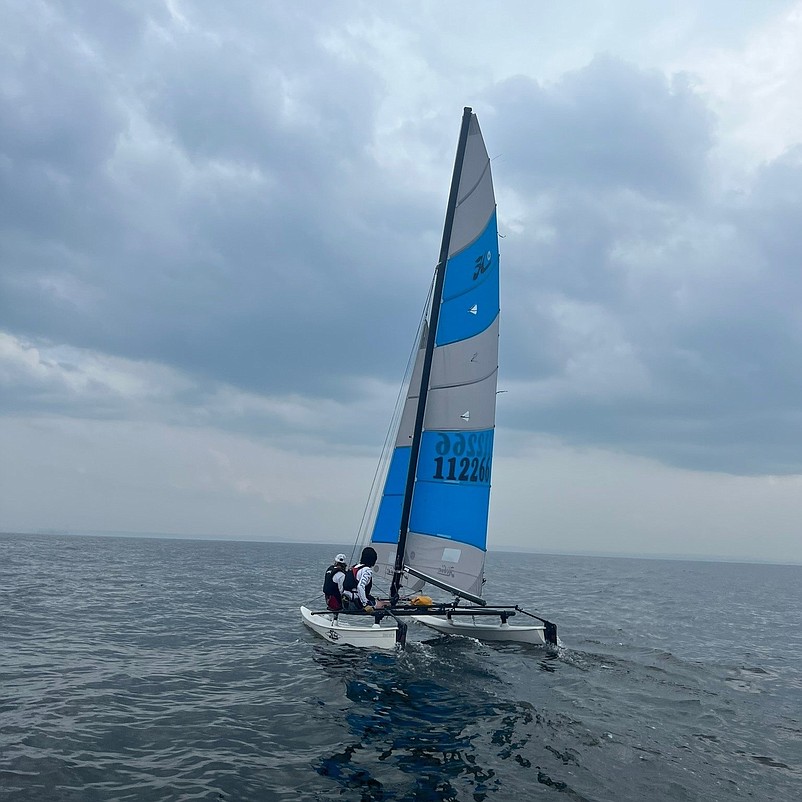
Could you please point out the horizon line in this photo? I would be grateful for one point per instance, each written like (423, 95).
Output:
(504, 549)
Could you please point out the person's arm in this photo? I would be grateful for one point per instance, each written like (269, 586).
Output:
(364, 579)
(339, 580)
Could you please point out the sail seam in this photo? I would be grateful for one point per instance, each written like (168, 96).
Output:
(462, 384)
(477, 237)
(473, 188)
(468, 289)
(447, 538)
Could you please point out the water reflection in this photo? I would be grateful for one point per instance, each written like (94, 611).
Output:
(435, 722)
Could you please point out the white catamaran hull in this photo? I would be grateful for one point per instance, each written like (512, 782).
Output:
(341, 632)
(484, 630)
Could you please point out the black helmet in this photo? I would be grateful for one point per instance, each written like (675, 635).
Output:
(369, 556)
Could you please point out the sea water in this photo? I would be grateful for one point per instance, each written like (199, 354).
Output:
(144, 669)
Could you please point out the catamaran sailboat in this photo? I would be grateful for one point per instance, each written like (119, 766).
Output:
(430, 528)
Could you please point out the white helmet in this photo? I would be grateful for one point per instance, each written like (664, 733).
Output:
(340, 558)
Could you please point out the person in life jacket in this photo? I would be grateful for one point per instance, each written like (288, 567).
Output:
(359, 583)
(333, 583)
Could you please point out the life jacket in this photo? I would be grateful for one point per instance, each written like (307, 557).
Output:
(329, 585)
(351, 580)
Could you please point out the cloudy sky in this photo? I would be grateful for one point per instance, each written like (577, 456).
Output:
(219, 221)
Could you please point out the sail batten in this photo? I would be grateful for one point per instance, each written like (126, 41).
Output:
(474, 187)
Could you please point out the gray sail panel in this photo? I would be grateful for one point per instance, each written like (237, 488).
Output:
(466, 361)
(475, 199)
(466, 407)
(406, 426)
(457, 564)
(383, 570)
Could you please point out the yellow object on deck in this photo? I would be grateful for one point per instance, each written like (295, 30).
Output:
(421, 601)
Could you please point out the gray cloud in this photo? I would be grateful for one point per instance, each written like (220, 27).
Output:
(694, 291)
(217, 216)
(605, 126)
(204, 194)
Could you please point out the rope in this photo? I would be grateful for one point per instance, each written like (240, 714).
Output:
(377, 484)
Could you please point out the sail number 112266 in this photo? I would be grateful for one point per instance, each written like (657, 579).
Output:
(463, 457)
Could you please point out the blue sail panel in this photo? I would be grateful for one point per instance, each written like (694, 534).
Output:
(467, 315)
(473, 265)
(471, 290)
(388, 519)
(452, 456)
(453, 511)
(397, 475)
(452, 492)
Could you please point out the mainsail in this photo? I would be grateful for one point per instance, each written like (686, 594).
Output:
(448, 501)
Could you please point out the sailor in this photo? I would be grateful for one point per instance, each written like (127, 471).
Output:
(333, 583)
(359, 582)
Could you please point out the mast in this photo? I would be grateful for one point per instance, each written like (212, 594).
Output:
(437, 296)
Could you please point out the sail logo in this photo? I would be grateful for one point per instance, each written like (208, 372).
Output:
(446, 570)
(482, 262)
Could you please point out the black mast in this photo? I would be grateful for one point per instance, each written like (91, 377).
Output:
(427, 359)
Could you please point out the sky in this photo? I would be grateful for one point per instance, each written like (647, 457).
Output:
(219, 221)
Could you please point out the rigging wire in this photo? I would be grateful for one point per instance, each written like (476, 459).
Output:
(377, 485)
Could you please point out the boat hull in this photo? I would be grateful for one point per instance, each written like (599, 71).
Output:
(342, 632)
(484, 630)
